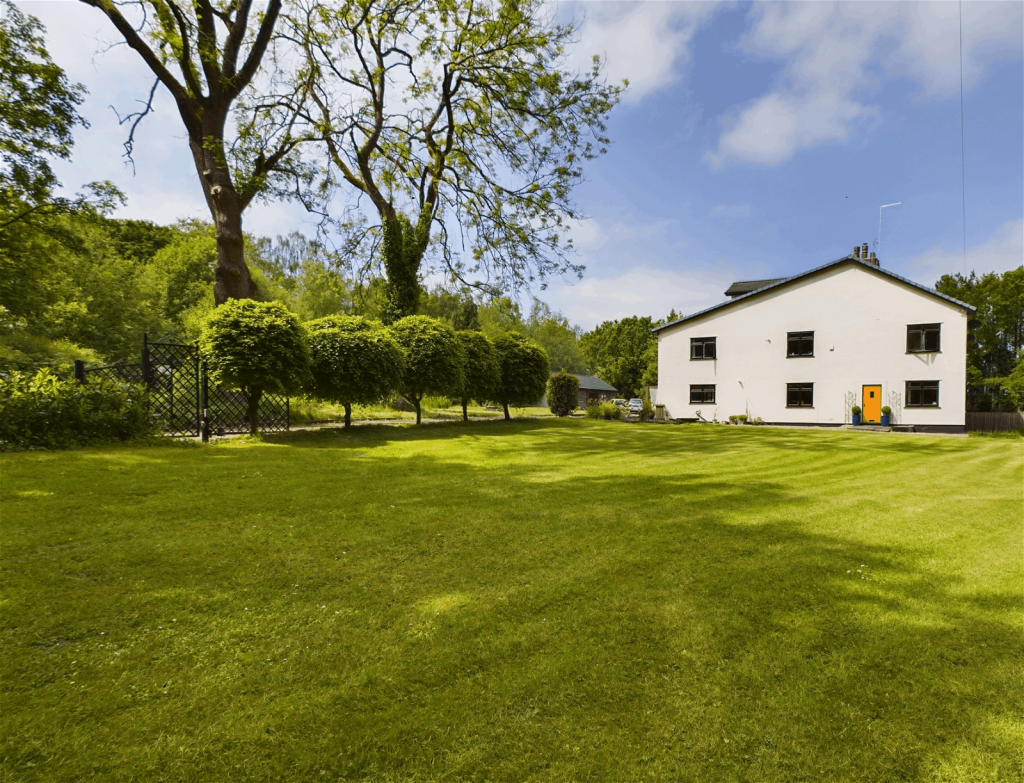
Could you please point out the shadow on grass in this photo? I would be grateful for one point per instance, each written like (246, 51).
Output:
(507, 625)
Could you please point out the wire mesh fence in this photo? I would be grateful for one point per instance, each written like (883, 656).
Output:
(181, 399)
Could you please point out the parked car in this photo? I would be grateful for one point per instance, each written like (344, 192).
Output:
(620, 403)
(636, 405)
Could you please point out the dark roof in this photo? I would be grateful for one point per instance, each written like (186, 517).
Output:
(592, 383)
(787, 280)
(741, 287)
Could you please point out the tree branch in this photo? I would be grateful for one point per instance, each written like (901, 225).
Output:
(134, 40)
(137, 117)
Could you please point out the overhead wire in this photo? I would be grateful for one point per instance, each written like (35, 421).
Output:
(963, 169)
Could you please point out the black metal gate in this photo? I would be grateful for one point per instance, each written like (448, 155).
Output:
(180, 397)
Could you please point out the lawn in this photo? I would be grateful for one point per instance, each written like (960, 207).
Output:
(538, 600)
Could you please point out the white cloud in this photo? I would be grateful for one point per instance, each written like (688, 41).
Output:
(1004, 251)
(838, 53)
(645, 42)
(647, 289)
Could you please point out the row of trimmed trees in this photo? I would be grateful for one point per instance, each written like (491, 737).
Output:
(262, 347)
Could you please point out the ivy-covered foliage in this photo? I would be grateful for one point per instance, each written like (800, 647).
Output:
(480, 371)
(256, 347)
(45, 411)
(563, 393)
(352, 360)
(433, 358)
(524, 370)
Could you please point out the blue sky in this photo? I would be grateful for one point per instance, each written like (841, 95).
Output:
(755, 141)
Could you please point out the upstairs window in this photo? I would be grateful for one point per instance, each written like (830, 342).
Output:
(702, 348)
(800, 344)
(922, 394)
(923, 338)
(799, 395)
(701, 395)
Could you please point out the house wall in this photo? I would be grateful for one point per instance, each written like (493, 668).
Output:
(859, 319)
(600, 395)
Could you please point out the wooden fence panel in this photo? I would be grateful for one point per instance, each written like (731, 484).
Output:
(994, 421)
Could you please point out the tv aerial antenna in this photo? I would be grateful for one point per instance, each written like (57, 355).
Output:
(878, 244)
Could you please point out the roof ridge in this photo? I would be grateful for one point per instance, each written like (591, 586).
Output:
(784, 280)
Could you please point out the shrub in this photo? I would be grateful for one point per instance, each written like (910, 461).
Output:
(739, 418)
(563, 393)
(886, 410)
(255, 347)
(433, 358)
(855, 410)
(480, 370)
(436, 403)
(524, 370)
(42, 410)
(647, 411)
(353, 363)
(609, 411)
(593, 411)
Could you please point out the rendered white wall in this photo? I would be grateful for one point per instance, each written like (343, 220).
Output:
(859, 319)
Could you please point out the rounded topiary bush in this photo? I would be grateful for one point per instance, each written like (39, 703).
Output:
(352, 361)
(433, 359)
(480, 371)
(255, 347)
(563, 393)
(524, 369)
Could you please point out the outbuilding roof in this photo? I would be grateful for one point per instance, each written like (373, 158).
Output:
(592, 383)
(780, 283)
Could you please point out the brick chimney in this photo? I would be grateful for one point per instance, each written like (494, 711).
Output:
(864, 252)
(856, 251)
(872, 259)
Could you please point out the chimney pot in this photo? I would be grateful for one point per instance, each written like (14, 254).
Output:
(864, 251)
(856, 251)
(872, 259)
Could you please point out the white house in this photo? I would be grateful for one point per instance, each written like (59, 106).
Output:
(806, 349)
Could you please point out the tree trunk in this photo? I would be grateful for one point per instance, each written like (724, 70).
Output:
(416, 402)
(231, 275)
(465, 413)
(252, 410)
(505, 406)
(403, 247)
(348, 414)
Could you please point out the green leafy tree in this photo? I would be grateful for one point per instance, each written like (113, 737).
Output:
(433, 358)
(620, 352)
(1014, 386)
(561, 340)
(563, 393)
(460, 112)
(480, 371)
(256, 347)
(457, 309)
(38, 114)
(355, 362)
(997, 338)
(524, 370)
(207, 54)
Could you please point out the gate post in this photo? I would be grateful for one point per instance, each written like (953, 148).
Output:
(204, 396)
(147, 372)
(80, 371)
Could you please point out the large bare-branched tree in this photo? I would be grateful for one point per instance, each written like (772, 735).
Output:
(207, 54)
(462, 124)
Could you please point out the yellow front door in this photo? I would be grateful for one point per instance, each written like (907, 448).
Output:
(872, 404)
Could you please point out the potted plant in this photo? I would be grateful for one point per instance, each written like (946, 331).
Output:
(855, 410)
(886, 411)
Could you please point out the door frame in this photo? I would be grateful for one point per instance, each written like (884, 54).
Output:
(863, 400)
